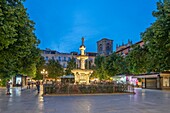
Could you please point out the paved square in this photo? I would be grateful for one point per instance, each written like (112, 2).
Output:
(28, 101)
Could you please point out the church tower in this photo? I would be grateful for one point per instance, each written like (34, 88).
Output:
(105, 47)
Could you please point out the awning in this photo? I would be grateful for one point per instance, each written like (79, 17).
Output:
(146, 76)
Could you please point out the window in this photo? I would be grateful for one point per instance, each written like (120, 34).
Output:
(64, 58)
(100, 48)
(64, 65)
(108, 48)
(47, 52)
(52, 58)
(46, 58)
(59, 58)
(69, 58)
(75, 59)
(52, 52)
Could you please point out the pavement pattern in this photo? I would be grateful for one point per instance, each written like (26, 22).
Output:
(29, 101)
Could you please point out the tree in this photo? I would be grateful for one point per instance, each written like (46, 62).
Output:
(54, 69)
(70, 66)
(138, 60)
(115, 64)
(17, 39)
(28, 64)
(39, 67)
(100, 69)
(99, 61)
(94, 74)
(157, 38)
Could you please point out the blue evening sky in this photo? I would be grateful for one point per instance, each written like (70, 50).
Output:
(60, 24)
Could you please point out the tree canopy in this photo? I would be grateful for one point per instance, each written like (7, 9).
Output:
(70, 66)
(39, 67)
(157, 38)
(138, 60)
(100, 71)
(115, 64)
(18, 43)
(54, 69)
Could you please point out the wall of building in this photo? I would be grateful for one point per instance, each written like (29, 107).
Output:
(64, 58)
(105, 47)
(125, 49)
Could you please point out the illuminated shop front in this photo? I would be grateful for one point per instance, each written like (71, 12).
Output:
(19, 80)
(165, 80)
(131, 80)
(150, 81)
(119, 78)
(125, 79)
(155, 80)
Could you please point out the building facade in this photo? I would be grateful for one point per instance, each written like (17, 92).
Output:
(120, 47)
(155, 80)
(105, 47)
(125, 49)
(64, 58)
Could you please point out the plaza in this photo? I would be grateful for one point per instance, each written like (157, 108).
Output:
(133, 77)
(28, 101)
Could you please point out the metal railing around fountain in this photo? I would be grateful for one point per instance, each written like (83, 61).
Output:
(87, 89)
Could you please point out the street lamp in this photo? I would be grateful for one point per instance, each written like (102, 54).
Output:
(44, 72)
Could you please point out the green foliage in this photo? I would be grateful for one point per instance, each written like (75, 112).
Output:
(107, 67)
(157, 38)
(17, 39)
(115, 64)
(154, 56)
(54, 69)
(94, 74)
(100, 70)
(39, 67)
(99, 61)
(137, 60)
(28, 63)
(3, 82)
(70, 66)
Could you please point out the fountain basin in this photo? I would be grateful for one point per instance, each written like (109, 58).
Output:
(82, 75)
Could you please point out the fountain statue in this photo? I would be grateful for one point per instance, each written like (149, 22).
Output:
(82, 75)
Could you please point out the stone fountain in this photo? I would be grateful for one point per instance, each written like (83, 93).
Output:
(82, 75)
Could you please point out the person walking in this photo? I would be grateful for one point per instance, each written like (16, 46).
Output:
(8, 87)
(38, 86)
(29, 83)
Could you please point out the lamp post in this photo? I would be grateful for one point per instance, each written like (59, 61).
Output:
(44, 72)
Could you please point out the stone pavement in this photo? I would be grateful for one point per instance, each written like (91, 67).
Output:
(28, 101)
